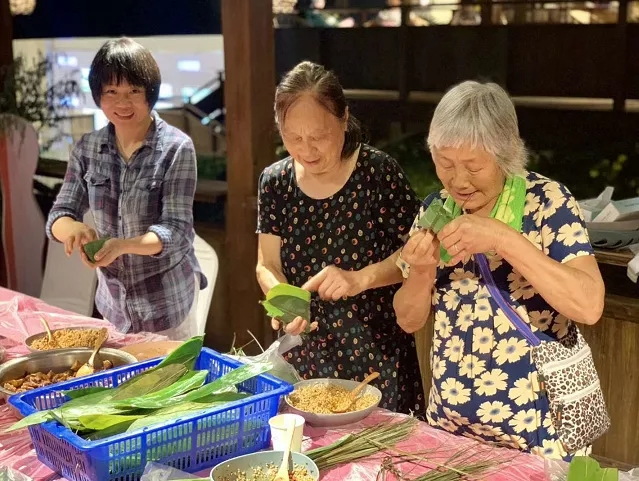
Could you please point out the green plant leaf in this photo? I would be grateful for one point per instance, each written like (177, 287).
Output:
(227, 382)
(285, 302)
(186, 354)
(31, 420)
(184, 409)
(158, 399)
(584, 468)
(98, 422)
(78, 393)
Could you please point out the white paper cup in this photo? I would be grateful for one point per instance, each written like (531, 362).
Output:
(279, 424)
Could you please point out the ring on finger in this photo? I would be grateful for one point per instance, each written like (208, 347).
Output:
(456, 248)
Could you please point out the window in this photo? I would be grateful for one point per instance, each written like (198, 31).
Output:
(189, 65)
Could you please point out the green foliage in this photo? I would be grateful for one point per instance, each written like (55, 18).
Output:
(415, 159)
(26, 92)
(587, 172)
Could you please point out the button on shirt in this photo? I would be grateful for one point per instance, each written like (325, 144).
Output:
(153, 192)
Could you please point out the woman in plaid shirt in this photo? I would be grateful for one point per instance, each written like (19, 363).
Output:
(137, 176)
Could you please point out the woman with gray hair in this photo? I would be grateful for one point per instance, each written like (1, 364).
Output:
(331, 219)
(502, 260)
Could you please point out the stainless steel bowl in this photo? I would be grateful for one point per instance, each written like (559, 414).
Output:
(227, 470)
(29, 340)
(58, 360)
(331, 420)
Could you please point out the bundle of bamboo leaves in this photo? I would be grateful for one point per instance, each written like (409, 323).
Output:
(171, 390)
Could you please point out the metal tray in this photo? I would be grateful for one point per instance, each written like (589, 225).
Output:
(58, 360)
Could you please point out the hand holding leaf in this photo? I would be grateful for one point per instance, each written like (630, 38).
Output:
(290, 308)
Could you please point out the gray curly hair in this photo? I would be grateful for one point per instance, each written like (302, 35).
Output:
(479, 115)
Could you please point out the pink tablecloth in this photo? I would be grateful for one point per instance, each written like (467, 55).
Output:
(19, 318)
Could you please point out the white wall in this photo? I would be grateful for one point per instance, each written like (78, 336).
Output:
(74, 56)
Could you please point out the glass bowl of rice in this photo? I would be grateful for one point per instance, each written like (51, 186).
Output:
(314, 398)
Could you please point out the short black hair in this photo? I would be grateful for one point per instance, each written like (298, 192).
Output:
(125, 60)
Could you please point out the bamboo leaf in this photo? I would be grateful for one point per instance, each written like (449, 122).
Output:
(98, 422)
(163, 397)
(150, 381)
(78, 393)
(584, 468)
(186, 354)
(228, 381)
(31, 420)
(286, 302)
(110, 431)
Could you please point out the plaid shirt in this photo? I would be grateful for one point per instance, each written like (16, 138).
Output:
(152, 193)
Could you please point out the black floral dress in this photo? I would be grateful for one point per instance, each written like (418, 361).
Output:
(362, 224)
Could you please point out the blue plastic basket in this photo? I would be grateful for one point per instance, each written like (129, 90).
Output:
(190, 444)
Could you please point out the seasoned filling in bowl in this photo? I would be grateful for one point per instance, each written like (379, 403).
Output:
(268, 472)
(38, 379)
(68, 338)
(322, 398)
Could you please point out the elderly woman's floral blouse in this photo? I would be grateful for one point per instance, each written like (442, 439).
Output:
(484, 383)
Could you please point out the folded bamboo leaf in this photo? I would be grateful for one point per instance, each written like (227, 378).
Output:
(229, 380)
(285, 302)
(92, 248)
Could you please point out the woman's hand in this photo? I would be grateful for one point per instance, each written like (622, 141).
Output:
(79, 234)
(296, 327)
(421, 252)
(472, 234)
(111, 250)
(333, 283)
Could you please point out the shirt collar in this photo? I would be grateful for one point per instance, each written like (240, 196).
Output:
(152, 140)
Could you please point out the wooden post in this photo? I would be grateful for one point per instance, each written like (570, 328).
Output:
(249, 59)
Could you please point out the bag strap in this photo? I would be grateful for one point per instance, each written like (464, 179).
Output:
(507, 309)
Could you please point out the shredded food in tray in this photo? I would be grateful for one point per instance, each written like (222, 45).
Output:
(268, 472)
(68, 338)
(320, 398)
(39, 379)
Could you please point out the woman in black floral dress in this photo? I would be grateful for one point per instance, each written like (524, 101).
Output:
(331, 219)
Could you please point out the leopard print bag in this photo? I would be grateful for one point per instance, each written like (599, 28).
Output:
(566, 374)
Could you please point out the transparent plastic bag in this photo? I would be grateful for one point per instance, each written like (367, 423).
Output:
(8, 474)
(281, 369)
(160, 472)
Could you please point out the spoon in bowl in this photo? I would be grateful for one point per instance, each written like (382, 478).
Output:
(48, 329)
(88, 367)
(282, 473)
(352, 396)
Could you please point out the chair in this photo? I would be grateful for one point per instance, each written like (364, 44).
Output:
(68, 283)
(207, 258)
